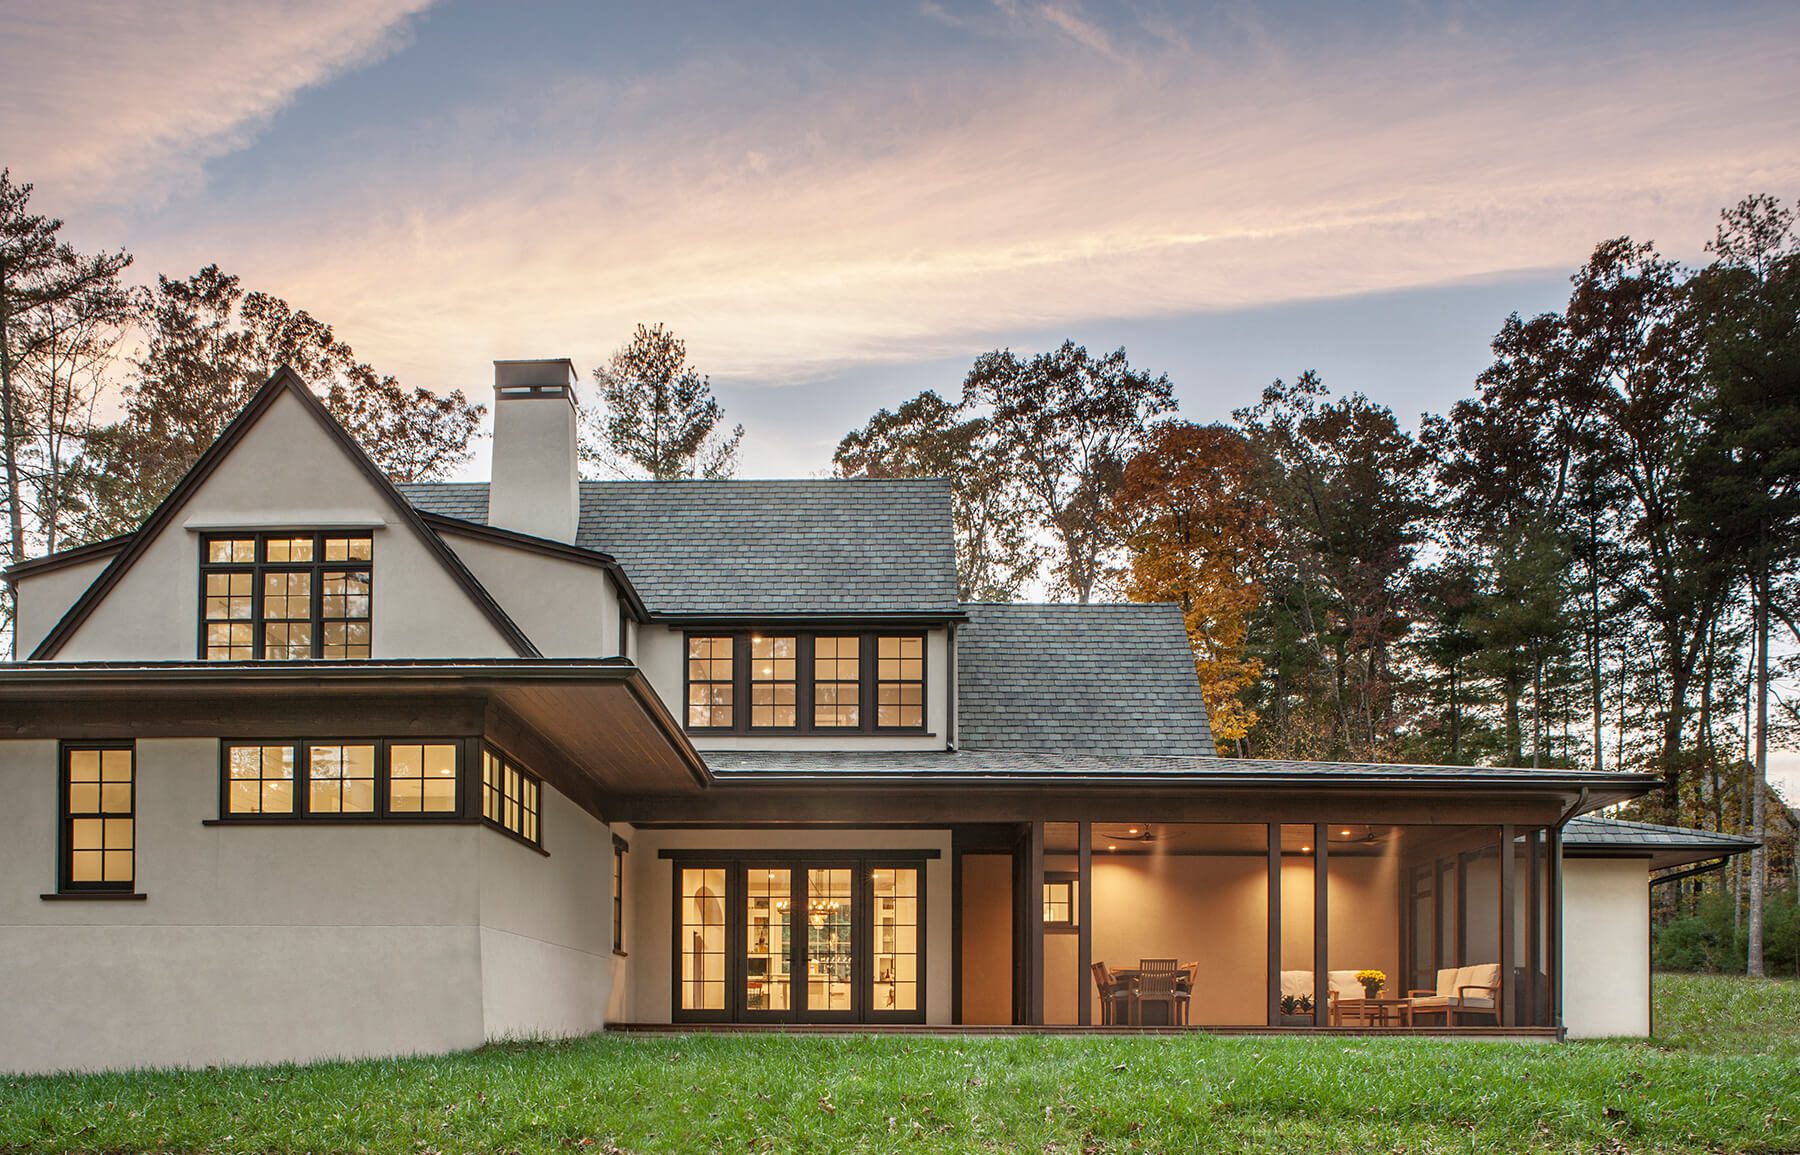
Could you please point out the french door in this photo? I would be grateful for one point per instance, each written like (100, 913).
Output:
(808, 939)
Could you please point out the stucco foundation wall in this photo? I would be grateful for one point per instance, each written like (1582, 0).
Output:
(253, 944)
(1606, 947)
(547, 967)
(650, 902)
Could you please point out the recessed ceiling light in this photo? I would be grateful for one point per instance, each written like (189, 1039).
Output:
(1133, 830)
(1306, 850)
(1346, 833)
(1112, 848)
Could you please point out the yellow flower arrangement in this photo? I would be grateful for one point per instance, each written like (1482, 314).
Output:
(1372, 981)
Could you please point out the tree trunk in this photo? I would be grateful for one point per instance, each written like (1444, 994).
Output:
(1760, 777)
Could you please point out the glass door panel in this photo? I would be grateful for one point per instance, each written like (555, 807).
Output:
(768, 940)
(894, 977)
(702, 939)
(830, 949)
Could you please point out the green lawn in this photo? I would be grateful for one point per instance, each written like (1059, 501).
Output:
(1723, 1074)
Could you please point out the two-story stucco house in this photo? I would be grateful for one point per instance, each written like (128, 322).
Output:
(311, 765)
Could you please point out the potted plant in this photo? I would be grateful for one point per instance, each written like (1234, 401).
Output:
(1372, 981)
(1296, 1010)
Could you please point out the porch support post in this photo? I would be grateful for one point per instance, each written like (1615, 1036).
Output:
(1554, 917)
(1321, 923)
(1274, 924)
(1506, 1011)
(1084, 923)
(1034, 925)
(1534, 923)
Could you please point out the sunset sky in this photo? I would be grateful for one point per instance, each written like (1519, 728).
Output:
(841, 204)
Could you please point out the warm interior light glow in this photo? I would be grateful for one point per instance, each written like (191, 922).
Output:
(1346, 833)
(1133, 830)
(1112, 848)
(1306, 850)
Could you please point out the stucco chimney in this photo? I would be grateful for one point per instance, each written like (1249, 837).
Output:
(535, 487)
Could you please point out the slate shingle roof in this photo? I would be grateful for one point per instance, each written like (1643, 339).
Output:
(863, 547)
(1112, 679)
(1593, 830)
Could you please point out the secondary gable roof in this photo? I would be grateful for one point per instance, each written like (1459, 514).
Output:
(283, 381)
(761, 549)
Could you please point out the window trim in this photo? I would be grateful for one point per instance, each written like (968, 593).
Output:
(302, 812)
(1071, 879)
(67, 887)
(257, 567)
(867, 693)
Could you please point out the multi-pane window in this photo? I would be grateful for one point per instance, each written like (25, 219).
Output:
(340, 779)
(510, 797)
(368, 778)
(837, 682)
(774, 682)
(99, 806)
(259, 779)
(701, 940)
(286, 596)
(900, 682)
(711, 684)
(806, 682)
(1059, 901)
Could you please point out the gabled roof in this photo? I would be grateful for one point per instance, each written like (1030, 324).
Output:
(1599, 836)
(282, 381)
(709, 550)
(1116, 680)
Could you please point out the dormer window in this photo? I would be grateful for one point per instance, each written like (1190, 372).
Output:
(285, 596)
(821, 683)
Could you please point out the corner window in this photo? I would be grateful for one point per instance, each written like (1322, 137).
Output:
(510, 797)
(336, 779)
(285, 596)
(99, 819)
(806, 683)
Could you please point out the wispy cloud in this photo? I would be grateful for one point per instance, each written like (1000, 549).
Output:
(115, 101)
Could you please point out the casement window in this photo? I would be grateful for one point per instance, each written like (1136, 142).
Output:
(285, 596)
(620, 847)
(805, 683)
(510, 796)
(99, 820)
(1060, 896)
(328, 779)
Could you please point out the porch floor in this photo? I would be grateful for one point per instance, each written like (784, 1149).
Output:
(1492, 1034)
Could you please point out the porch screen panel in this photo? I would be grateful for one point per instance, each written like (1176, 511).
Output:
(702, 939)
(895, 972)
(830, 904)
(768, 939)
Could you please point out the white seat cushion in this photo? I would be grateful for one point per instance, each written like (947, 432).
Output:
(1296, 983)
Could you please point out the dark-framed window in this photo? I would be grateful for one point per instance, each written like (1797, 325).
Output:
(1061, 895)
(620, 849)
(341, 778)
(285, 596)
(510, 797)
(801, 936)
(833, 682)
(98, 819)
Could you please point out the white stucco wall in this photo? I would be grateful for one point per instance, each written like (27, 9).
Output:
(291, 943)
(1606, 947)
(286, 472)
(662, 655)
(546, 927)
(44, 598)
(650, 905)
(568, 609)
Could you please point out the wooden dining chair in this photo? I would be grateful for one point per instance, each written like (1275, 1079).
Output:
(1156, 986)
(1156, 964)
(1113, 995)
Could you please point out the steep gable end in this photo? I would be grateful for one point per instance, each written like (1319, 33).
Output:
(283, 463)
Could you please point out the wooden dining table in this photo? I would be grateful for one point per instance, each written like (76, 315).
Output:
(1128, 977)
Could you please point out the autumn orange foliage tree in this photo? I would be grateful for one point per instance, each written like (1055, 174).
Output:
(1197, 530)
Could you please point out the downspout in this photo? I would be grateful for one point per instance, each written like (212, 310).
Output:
(1556, 898)
(950, 688)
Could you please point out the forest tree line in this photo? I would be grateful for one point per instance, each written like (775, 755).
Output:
(1593, 561)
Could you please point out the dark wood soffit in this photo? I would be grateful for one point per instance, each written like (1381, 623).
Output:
(544, 758)
(949, 804)
(290, 714)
